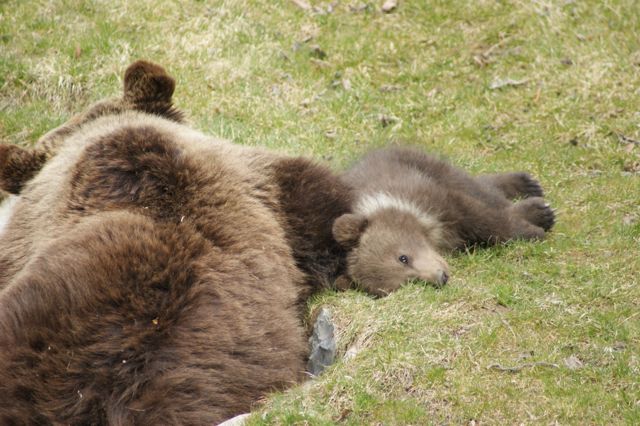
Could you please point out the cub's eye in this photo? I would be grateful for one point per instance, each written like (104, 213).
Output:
(404, 259)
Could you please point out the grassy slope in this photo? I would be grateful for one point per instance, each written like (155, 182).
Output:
(245, 72)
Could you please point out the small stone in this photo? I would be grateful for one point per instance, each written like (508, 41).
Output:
(619, 346)
(323, 343)
(317, 52)
(302, 4)
(499, 83)
(359, 7)
(573, 363)
(236, 421)
(331, 134)
(319, 63)
(387, 88)
(389, 6)
(387, 120)
(629, 219)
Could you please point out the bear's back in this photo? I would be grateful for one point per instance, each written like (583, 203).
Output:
(393, 173)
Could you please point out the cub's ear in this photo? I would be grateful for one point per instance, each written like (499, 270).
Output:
(147, 82)
(348, 228)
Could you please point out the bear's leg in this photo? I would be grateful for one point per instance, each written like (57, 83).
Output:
(513, 185)
(18, 166)
(535, 211)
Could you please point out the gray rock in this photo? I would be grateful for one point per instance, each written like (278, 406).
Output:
(573, 363)
(236, 421)
(323, 343)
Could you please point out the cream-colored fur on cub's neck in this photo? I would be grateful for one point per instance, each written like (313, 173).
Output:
(369, 204)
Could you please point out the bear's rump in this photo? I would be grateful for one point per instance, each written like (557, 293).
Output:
(126, 317)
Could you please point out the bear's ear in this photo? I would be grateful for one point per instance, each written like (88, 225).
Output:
(348, 228)
(147, 82)
(18, 166)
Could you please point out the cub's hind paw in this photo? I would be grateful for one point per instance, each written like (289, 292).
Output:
(513, 185)
(535, 211)
(526, 186)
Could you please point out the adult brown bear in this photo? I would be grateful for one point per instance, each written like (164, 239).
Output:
(144, 277)
(304, 195)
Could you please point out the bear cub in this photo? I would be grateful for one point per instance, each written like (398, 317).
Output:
(410, 207)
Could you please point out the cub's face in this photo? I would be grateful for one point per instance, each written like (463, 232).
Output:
(389, 249)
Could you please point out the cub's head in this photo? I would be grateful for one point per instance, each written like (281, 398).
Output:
(391, 246)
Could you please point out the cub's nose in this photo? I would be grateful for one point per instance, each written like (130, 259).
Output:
(443, 278)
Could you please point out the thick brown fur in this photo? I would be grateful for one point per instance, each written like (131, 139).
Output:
(18, 166)
(410, 207)
(151, 274)
(307, 197)
(146, 276)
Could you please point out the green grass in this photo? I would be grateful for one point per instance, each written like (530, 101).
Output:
(250, 71)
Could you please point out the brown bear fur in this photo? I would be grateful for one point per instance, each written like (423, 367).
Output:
(151, 274)
(309, 197)
(145, 277)
(154, 248)
(18, 166)
(411, 207)
(305, 196)
(147, 88)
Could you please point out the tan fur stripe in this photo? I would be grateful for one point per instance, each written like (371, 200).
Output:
(369, 204)
(6, 210)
